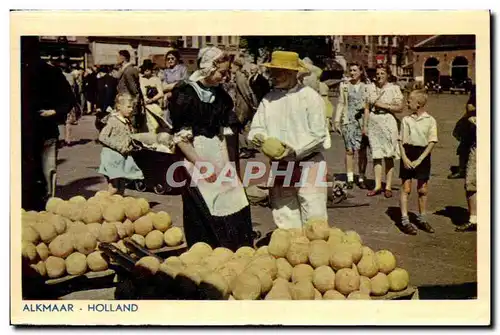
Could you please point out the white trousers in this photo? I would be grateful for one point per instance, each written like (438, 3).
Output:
(293, 206)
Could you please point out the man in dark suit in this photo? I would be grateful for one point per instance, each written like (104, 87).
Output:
(46, 99)
(128, 82)
(245, 106)
(106, 93)
(258, 84)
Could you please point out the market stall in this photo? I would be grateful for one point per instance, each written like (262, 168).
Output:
(111, 247)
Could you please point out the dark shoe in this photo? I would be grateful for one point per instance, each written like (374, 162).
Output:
(246, 155)
(388, 194)
(409, 229)
(350, 185)
(466, 227)
(457, 175)
(374, 193)
(362, 185)
(425, 226)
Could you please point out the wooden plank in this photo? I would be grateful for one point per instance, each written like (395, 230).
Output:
(88, 275)
(170, 249)
(98, 294)
(407, 293)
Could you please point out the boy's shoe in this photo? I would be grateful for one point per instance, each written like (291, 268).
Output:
(469, 226)
(408, 229)
(350, 185)
(424, 225)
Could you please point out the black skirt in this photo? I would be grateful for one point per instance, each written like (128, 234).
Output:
(232, 231)
(423, 171)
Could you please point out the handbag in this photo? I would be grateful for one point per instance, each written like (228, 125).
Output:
(151, 92)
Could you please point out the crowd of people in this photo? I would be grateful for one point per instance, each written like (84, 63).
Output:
(225, 111)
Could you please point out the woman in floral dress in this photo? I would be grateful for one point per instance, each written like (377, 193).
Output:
(349, 122)
(384, 100)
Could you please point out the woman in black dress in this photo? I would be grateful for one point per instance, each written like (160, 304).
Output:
(214, 212)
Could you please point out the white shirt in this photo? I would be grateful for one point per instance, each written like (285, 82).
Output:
(418, 130)
(295, 117)
(151, 81)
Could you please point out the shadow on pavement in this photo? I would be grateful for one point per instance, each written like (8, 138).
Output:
(61, 161)
(458, 215)
(448, 292)
(78, 187)
(80, 142)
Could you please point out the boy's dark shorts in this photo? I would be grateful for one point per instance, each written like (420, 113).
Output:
(423, 171)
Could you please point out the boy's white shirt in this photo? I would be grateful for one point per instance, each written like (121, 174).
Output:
(418, 130)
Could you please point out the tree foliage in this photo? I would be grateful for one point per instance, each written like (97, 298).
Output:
(314, 47)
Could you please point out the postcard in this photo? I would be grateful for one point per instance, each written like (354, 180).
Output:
(214, 168)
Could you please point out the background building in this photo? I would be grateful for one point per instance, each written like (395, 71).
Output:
(370, 50)
(104, 49)
(190, 45)
(442, 56)
(87, 51)
(73, 48)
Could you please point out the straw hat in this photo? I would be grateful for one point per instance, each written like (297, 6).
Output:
(285, 60)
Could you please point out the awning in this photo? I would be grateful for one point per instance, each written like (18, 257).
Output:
(107, 53)
(147, 52)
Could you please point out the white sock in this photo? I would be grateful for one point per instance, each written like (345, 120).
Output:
(473, 219)
(350, 176)
(361, 177)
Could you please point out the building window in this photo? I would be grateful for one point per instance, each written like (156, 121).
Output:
(341, 39)
(394, 59)
(200, 41)
(395, 41)
(220, 40)
(386, 41)
(208, 39)
(380, 40)
(367, 39)
(189, 41)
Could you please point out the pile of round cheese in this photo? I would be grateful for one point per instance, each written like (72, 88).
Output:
(64, 238)
(322, 262)
(317, 262)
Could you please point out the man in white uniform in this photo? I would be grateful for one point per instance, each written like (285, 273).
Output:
(295, 115)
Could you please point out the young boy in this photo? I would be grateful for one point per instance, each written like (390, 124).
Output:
(417, 139)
